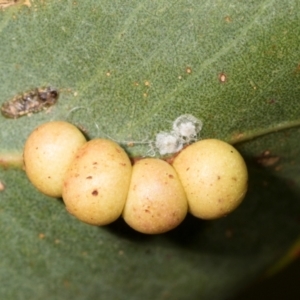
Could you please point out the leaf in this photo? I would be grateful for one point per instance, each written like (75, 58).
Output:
(126, 70)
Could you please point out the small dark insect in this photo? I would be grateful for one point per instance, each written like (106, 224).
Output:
(30, 102)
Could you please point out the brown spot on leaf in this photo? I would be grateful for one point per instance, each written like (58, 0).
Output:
(271, 101)
(228, 19)
(89, 177)
(41, 236)
(188, 70)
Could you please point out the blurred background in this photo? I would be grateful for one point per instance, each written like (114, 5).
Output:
(285, 285)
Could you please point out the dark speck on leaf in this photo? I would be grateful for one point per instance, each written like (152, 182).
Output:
(95, 193)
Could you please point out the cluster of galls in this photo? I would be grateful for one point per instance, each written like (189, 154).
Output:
(98, 183)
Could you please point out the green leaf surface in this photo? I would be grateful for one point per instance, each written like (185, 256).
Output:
(126, 70)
